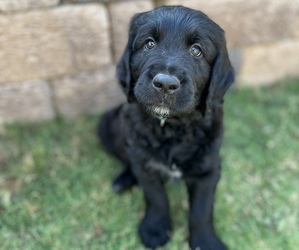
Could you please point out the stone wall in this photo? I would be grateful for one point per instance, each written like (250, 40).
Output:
(57, 57)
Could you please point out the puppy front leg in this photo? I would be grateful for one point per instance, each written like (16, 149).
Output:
(201, 228)
(155, 227)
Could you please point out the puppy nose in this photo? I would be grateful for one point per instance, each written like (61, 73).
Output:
(166, 84)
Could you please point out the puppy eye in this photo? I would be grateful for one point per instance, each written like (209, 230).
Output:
(195, 50)
(150, 44)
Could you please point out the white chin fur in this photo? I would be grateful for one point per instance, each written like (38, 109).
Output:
(161, 111)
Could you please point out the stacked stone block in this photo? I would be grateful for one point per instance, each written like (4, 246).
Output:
(57, 57)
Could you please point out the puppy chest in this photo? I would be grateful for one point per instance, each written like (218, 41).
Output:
(165, 149)
(169, 149)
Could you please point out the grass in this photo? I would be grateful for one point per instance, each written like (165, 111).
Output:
(55, 182)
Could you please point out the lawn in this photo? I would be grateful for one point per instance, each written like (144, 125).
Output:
(55, 181)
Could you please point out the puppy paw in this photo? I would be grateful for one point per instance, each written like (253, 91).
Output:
(206, 243)
(154, 235)
(124, 181)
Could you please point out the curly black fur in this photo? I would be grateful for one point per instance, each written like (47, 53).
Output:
(174, 71)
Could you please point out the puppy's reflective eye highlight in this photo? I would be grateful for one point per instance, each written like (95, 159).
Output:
(195, 50)
(150, 44)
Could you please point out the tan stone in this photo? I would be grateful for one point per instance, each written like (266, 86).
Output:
(264, 64)
(48, 43)
(248, 22)
(121, 13)
(15, 5)
(88, 1)
(235, 56)
(28, 101)
(88, 92)
(297, 25)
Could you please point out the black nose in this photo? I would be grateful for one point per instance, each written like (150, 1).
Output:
(166, 84)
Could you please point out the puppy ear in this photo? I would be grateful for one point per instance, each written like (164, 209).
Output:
(221, 78)
(123, 69)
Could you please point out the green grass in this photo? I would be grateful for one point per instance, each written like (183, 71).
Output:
(55, 182)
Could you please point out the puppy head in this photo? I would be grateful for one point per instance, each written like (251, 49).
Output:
(175, 62)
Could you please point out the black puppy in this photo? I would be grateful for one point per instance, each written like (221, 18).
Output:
(174, 71)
